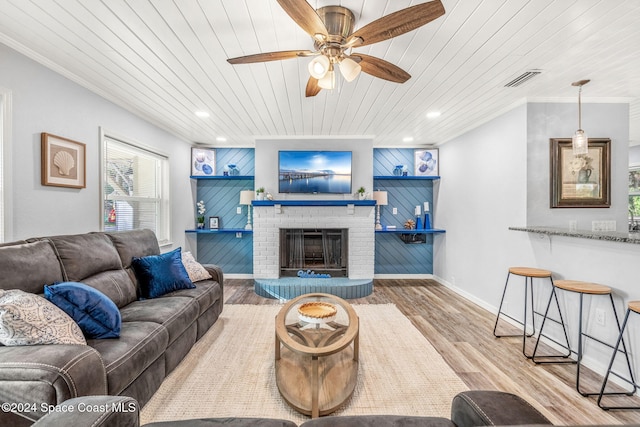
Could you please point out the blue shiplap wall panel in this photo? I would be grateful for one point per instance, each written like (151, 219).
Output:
(221, 198)
(243, 158)
(392, 255)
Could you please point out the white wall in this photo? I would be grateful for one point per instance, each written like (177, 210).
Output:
(266, 153)
(482, 192)
(44, 101)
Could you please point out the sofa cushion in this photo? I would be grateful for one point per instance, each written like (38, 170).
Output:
(378, 421)
(134, 243)
(491, 407)
(161, 274)
(176, 314)
(93, 311)
(125, 358)
(29, 266)
(206, 294)
(93, 260)
(28, 319)
(195, 270)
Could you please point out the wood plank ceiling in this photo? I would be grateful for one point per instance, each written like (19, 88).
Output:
(166, 59)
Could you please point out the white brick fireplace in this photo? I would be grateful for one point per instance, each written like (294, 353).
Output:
(356, 216)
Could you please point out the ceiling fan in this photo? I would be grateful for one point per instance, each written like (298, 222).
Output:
(331, 28)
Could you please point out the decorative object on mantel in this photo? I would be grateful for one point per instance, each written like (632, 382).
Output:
(203, 161)
(381, 200)
(310, 274)
(63, 162)
(580, 140)
(231, 169)
(260, 193)
(361, 193)
(201, 211)
(426, 162)
(418, 219)
(409, 224)
(427, 220)
(400, 170)
(246, 197)
(580, 181)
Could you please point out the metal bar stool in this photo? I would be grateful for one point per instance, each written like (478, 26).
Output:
(529, 274)
(634, 306)
(581, 288)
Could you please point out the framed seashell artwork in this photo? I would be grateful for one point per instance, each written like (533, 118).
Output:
(64, 162)
(426, 162)
(203, 161)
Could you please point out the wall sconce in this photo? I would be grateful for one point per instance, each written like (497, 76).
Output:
(580, 140)
(381, 200)
(246, 197)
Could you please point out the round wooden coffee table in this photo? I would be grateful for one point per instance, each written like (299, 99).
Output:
(316, 356)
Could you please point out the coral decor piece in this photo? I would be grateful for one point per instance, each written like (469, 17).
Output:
(409, 224)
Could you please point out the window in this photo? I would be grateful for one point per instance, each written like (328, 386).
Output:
(634, 198)
(135, 183)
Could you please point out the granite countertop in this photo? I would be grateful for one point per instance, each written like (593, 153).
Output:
(612, 236)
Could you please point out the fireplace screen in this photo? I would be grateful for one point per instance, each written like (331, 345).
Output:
(321, 251)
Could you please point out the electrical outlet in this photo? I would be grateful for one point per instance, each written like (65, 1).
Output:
(238, 234)
(601, 318)
(239, 210)
(395, 211)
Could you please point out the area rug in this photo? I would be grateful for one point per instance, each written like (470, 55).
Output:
(230, 371)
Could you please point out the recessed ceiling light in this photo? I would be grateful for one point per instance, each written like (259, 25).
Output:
(407, 139)
(202, 114)
(433, 114)
(221, 139)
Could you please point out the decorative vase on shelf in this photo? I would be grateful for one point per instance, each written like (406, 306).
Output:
(200, 223)
(398, 170)
(233, 170)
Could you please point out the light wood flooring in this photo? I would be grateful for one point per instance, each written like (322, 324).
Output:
(462, 332)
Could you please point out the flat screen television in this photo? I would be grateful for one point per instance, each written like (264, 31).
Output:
(314, 172)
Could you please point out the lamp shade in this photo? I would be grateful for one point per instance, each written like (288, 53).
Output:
(319, 66)
(380, 197)
(580, 143)
(328, 81)
(349, 69)
(246, 196)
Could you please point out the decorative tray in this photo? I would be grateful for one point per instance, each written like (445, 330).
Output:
(317, 312)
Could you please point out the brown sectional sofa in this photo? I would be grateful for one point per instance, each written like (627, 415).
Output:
(155, 334)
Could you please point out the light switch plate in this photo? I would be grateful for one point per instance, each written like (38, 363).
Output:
(239, 210)
(395, 211)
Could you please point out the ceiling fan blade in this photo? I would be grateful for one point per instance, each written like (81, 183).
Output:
(312, 87)
(306, 17)
(269, 56)
(398, 23)
(380, 68)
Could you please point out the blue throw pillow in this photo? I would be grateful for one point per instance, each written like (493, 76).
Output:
(93, 311)
(161, 274)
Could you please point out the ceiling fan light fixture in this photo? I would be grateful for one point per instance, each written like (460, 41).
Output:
(319, 66)
(349, 69)
(580, 140)
(328, 81)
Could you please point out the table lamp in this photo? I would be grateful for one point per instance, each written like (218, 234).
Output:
(381, 199)
(246, 196)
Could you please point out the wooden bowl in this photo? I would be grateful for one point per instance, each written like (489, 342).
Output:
(317, 312)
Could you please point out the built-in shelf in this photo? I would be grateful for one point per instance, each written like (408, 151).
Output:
(314, 202)
(414, 231)
(408, 177)
(222, 177)
(219, 231)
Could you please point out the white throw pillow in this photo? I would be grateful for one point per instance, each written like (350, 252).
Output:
(195, 270)
(29, 319)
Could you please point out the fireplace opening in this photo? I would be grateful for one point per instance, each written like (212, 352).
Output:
(323, 251)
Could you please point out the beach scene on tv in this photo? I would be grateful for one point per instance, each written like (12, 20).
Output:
(314, 172)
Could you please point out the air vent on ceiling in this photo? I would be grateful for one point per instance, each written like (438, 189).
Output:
(522, 78)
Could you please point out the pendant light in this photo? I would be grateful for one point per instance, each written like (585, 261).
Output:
(580, 140)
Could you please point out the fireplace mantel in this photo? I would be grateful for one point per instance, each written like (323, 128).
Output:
(257, 203)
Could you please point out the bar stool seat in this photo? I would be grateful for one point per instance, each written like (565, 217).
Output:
(582, 288)
(633, 307)
(529, 273)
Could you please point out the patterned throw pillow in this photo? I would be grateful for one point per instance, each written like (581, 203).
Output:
(195, 270)
(29, 319)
